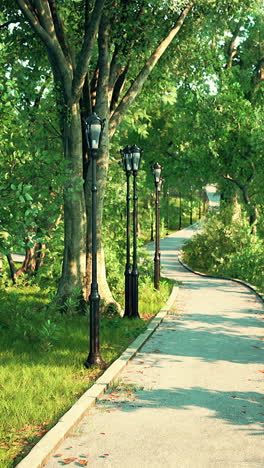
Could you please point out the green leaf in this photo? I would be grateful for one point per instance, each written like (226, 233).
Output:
(28, 197)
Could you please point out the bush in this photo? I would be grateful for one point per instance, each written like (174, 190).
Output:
(227, 250)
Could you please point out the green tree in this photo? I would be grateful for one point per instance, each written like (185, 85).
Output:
(96, 76)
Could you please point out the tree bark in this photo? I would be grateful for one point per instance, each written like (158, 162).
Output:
(74, 259)
(12, 268)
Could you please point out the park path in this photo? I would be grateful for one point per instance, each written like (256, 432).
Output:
(193, 395)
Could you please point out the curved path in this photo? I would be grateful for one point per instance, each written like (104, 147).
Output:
(193, 396)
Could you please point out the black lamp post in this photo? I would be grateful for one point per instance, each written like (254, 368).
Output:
(136, 153)
(167, 200)
(156, 170)
(93, 132)
(180, 211)
(152, 218)
(127, 166)
(191, 207)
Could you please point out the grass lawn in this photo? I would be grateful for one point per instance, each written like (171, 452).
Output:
(41, 379)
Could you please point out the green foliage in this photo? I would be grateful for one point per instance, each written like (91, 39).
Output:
(227, 249)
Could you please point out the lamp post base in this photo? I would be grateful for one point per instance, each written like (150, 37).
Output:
(157, 271)
(128, 283)
(94, 357)
(134, 294)
(94, 360)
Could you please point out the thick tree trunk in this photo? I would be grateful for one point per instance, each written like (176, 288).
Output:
(102, 168)
(102, 109)
(74, 260)
(33, 260)
(251, 209)
(12, 268)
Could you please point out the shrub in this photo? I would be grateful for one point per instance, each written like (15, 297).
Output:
(227, 250)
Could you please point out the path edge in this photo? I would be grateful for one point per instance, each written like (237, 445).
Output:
(41, 452)
(235, 280)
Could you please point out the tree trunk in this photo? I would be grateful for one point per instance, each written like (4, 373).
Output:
(74, 260)
(12, 268)
(102, 110)
(33, 260)
(102, 167)
(251, 209)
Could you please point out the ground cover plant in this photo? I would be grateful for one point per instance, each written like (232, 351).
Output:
(228, 249)
(42, 355)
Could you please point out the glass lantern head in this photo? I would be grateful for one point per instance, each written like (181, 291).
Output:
(156, 171)
(126, 159)
(136, 153)
(93, 131)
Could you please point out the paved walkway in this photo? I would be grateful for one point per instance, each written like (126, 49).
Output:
(193, 396)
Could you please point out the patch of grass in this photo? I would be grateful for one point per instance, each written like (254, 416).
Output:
(41, 377)
(121, 386)
(150, 300)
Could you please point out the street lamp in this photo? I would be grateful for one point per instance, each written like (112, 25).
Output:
(136, 154)
(156, 170)
(127, 166)
(93, 132)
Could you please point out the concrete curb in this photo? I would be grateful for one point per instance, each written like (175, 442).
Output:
(52, 439)
(235, 280)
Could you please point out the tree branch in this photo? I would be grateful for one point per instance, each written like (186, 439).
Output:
(232, 51)
(138, 83)
(235, 181)
(118, 87)
(103, 65)
(56, 56)
(45, 18)
(86, 52)
(251, 163)
(60, 31)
